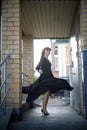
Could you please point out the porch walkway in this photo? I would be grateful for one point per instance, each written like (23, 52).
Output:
(61, 117)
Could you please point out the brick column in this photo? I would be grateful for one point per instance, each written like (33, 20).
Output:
(82, 46)
(83, 24)
(28, 59)
(11, 41)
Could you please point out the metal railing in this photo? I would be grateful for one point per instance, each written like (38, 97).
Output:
(3, 84)
(24, 81)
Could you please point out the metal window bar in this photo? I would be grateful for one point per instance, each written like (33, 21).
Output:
(4, 83)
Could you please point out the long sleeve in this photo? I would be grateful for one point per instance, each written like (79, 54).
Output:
(39, 66)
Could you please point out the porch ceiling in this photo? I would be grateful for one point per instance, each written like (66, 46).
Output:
(48, 18)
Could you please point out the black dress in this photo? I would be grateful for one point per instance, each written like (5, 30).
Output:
(45, 66)
(45, 82)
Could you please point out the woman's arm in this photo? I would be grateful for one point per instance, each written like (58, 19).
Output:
(40, 71)
(39, 66)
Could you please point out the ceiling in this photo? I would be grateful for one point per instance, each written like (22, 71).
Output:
(48, 18)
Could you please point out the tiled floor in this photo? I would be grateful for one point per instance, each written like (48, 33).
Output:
(62, 117)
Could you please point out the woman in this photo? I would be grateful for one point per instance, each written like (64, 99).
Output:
(44, 68)
(46, 83)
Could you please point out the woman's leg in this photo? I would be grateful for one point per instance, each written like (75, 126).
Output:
(45, 101)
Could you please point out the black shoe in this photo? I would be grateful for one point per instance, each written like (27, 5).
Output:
(44, 112)
(71, 88)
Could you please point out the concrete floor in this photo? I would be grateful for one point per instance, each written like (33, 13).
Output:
(62, 117)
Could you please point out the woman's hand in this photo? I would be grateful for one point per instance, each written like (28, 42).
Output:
(40, 71)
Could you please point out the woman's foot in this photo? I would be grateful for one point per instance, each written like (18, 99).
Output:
(44, 112)
(71, 88)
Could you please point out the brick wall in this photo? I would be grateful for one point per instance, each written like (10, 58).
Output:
(53, 59)
(28, 59)
(11, 41)
(83, 24)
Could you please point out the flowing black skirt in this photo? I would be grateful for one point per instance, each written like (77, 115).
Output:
(38, 88)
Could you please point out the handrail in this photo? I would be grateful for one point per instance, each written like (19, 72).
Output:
(4, 83)
(4, 98)
(26, 75)
(4, 60)
(25, 80)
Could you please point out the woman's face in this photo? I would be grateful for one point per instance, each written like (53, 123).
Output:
(47, 52)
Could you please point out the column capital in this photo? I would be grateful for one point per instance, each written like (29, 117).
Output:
(27, 37)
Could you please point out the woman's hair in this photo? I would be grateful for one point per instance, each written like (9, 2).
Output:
(43, 51)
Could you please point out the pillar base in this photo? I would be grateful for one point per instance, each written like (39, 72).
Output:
(16, 114)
